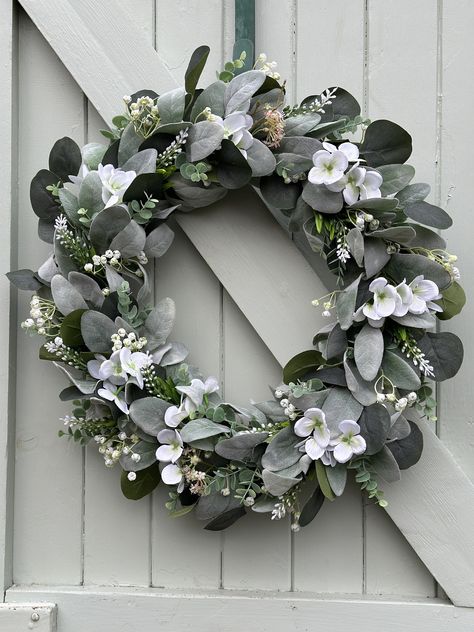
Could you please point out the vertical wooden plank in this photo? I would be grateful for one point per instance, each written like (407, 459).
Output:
(8, 133)
(257, 551)
(109, 517)
(456, 427)
(342, 26)
(184, 555)
(401, 87)
(48, 479)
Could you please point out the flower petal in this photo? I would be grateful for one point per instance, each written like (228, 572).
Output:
(303, 427)
(342, 453)
(313, 449)
(350, 150)
(349, 425)
(171, 474)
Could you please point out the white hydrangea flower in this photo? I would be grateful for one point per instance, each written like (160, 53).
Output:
(331, 162)
(114, 183)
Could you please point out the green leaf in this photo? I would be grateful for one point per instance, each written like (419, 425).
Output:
(336, 344)
(375, 257)
(400, 371)
(96, 329)
(158, 241)
(413, 193)
(145, 185)
(399, 234)
(225, 519)
(385, 143)
(195, 68)
(90, 193)
(368, 351)
(142, 162)
(204, 138)
(278, 194)
(452, 301)
(240, 447)
(211, 97)
(92, 155)
(276, 484)
(337, 478)
(281, 451)
(148, 413)
(195, 195)
(386, 466)
(260, 158)
(339, 405)
(129, 144)
(171, 105)
(323, 481)
(106, 225)
(409, 266)
(301, 124)
(301, 364)
(65, 296)
(376, 204)
(70, 330)
(130, 241)
(428, 214)
(233, 171)
(65, 158)
(147, 452)
(444, 351)
(355, 242)
(44, 204)
(395, 177)
(311, 507)
(159, 322)
(239, 91)
(24, 280)
(198, 429)
(213, 505)
(321, 199)
(362, 390)
(146, 481)
(345, 304)
(374, 427)
(407, 451)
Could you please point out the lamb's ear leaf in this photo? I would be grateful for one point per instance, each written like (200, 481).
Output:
(97, 329)
(24, 279)
(145, 482)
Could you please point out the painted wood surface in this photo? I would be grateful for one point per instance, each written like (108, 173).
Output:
(16, 617)
(87, 525)
(122, 610)
(8, 128)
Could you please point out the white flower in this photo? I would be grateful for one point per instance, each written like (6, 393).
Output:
(174, 416)
(113, 370)
(88, 267)
(96, 260)
(172, 475)
(384, 301)
(349, 442)
(131, 476)
(313, 423)
(331, 162)
(424, 291)
(197, 390)
(401, 404)
(114, 394)
(358, 182)
(172, 447)
(133, 364)
(403, 299)
(114, 183)
(236, 128)
(412, 397)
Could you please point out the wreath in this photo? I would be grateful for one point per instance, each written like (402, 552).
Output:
(352, 402)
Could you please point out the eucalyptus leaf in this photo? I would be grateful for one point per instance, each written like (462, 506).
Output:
(408, 451)
(70, 330)
(44, 204)
(143, 187)
(145, 482)
(195, 68)
(301, 364)
(452, 301)
(70, 205)
(282, 451)
(386, 465)
(395, 177)
(337, 478)
(226, 519)
(204, 138)
(147, 452)
(368, 351)
(87, 387)
(194, 195)
(362, 390)
(321, 473)
(399, 234)
(65, 158)
(299, 145)
(171, 106)
(321, 199)
(444, 351)
(428, 214)
(311, 507)
(339, 405)
(376, 256)
(90, 193)
(278, 194)
(336, 344)
(420, 321)
(413, 193)
(240, 447)
(385, 143)
(374, 425)
(355, 242)
(106, 225)
(148, 413)
(159, 322)
(232, 170)
(408, 266)
(276, 484)
(260, 158)
(24, 279)
(212, 505)
(142, 162)
(301, 124)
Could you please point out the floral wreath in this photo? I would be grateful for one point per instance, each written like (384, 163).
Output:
(352, 402)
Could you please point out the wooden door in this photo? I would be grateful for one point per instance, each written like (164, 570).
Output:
(70, 539)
